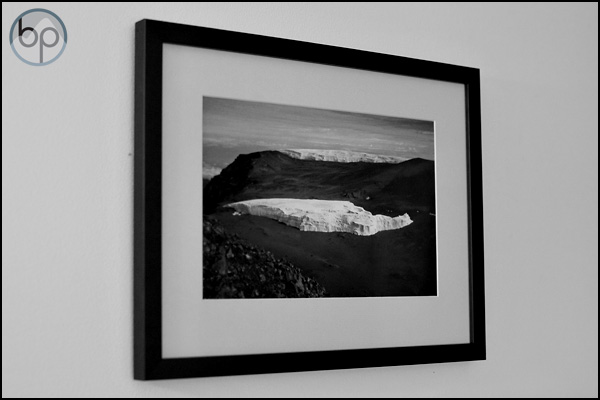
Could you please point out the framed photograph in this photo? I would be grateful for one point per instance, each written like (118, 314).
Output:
(302, 207)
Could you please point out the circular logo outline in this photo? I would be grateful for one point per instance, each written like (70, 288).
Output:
(12, 28)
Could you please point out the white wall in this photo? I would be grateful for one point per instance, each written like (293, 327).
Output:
(67, 138)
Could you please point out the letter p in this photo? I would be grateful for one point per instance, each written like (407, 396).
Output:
(43, 41)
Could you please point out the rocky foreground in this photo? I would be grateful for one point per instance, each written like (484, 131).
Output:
(235, 269)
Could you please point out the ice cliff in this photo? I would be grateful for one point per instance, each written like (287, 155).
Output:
(322, 215)
(343, 156)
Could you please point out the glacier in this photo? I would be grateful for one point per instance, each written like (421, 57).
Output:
(343, 156)
(321, 215)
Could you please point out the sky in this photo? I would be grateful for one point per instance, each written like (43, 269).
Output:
(233, 127)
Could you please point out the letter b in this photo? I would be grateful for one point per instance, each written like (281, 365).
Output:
(21, 30)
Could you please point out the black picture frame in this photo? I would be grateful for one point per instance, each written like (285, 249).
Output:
(149, 363)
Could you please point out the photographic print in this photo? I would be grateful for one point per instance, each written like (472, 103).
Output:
(303, 202)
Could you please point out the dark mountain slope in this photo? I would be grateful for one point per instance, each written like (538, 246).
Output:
(389, 189)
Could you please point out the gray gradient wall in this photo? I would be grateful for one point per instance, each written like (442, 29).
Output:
(67, 196)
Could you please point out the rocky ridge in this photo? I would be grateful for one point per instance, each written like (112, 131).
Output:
(380, 188)
(235, 269)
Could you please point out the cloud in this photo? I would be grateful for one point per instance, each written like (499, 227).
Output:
(208, 171)
(231, 126)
